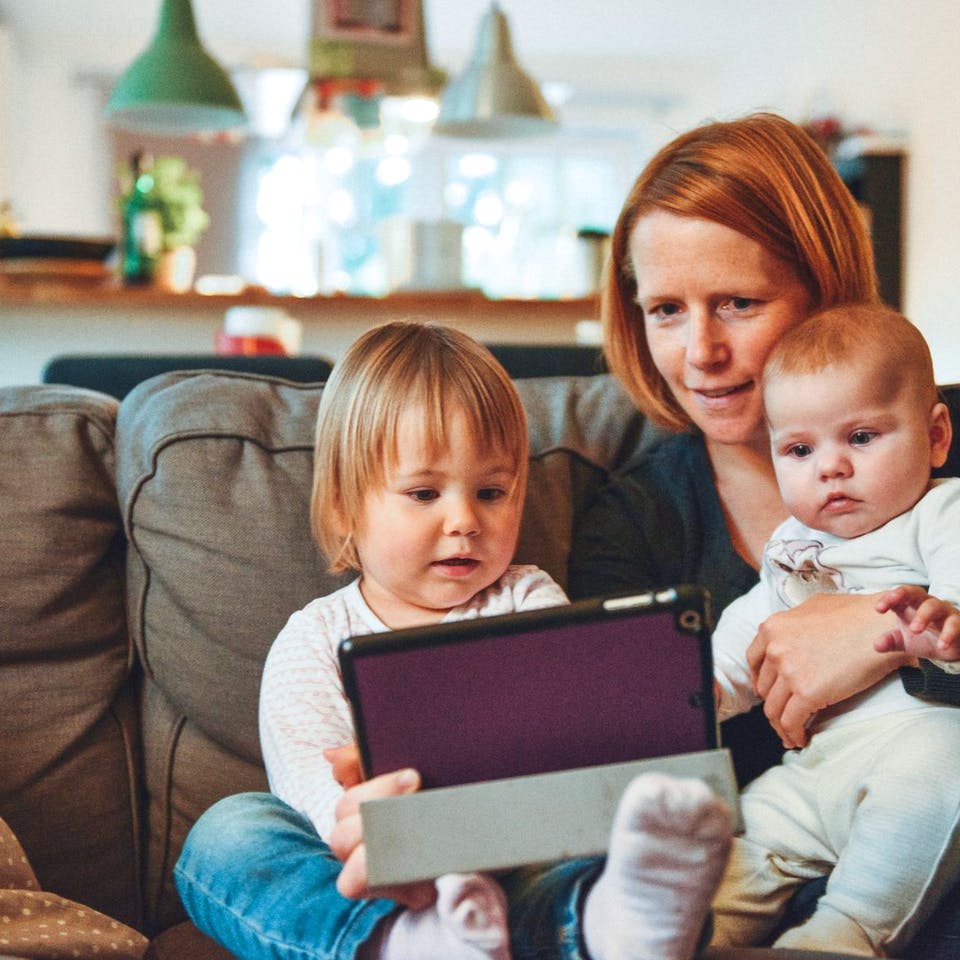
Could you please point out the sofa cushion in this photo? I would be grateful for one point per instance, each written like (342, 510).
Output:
(214, 480)
(67, 720)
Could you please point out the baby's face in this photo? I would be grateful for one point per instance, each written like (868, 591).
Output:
(849, 457)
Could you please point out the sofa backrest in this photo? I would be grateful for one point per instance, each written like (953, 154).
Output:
(68, 724)
(214, 477)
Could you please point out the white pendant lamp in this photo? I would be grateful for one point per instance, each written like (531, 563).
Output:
(494, 97)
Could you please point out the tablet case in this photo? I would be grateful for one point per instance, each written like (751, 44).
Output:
(596, 682)
(526, 728)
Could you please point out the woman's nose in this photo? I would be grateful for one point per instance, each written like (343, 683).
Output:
(706, 346)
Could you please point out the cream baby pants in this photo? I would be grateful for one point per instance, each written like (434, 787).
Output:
(874, 803)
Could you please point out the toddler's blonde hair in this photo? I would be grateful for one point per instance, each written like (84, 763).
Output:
(385, 372)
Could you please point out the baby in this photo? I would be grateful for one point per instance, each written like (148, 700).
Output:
(855, 427)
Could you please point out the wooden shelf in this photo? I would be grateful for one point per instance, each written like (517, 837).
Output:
(435, 303)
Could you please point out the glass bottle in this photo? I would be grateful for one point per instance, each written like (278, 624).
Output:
(142, 224)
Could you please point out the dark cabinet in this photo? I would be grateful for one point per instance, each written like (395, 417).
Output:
(876, 180)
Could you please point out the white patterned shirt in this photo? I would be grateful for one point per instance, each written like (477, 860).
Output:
(303, 707)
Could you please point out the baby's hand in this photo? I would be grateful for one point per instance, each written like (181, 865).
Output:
(928, 627)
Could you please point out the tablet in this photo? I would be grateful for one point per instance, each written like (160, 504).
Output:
(601, 681)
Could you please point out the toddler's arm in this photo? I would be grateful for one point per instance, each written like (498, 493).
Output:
(926, 627)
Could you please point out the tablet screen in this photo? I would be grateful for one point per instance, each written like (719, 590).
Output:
(596, 682)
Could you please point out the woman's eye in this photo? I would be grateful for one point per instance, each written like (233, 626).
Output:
(738, 304)
(861, 438)
(663, 311)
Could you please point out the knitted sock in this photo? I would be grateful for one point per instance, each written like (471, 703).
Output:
(468, 922)
(668, 849)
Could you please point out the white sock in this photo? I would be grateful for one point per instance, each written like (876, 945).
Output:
(668, 849)
(468, 922)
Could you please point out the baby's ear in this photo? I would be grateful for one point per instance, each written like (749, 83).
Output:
(941, 434)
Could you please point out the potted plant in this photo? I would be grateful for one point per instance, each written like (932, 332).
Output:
(167, 191)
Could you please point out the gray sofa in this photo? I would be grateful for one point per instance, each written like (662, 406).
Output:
(149, 553)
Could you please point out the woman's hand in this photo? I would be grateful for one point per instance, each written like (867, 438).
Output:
(815, 655)
(926, 625)
(346, 839)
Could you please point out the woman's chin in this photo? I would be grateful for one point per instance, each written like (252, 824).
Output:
(735, 431)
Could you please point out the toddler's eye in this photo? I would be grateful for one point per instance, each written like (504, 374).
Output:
(861, 438)
(491, 493)
(800, 450)
(424, 495)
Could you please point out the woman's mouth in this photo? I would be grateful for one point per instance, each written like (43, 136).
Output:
(717, 393)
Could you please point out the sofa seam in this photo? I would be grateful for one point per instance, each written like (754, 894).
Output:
(168, 765)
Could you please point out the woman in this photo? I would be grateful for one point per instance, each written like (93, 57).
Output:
(733, 233)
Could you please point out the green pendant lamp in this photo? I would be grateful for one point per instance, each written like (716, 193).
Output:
(175, 86)
(494, 97)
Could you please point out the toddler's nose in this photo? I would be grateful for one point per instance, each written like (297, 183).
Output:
(462, 520)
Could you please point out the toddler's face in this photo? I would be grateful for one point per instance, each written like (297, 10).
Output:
(443, 526)
(848, 457)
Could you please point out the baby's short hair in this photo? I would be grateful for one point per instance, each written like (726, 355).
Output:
(383, 373)
(856, 334)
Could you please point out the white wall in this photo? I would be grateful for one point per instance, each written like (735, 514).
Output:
(886, 64)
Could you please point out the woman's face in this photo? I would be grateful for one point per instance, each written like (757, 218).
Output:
(714, 304)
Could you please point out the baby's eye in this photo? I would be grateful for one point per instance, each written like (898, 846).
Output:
(490, 494)
(423, 495)
(860, 438)
(799, 450)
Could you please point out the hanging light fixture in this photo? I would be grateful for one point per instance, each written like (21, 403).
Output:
(175, 86)
(494, 97)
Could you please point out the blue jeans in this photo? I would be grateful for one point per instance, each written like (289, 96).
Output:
(255, 876)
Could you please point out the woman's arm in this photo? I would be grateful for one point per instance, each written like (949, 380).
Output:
(817, 654)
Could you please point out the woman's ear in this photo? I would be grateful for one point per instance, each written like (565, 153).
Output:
(941, 434)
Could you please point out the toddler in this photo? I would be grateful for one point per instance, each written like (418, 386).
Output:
(873, 800)
(420, 472)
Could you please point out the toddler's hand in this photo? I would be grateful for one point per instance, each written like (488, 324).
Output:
(346, 841)
(927, 626)
(345, 761)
